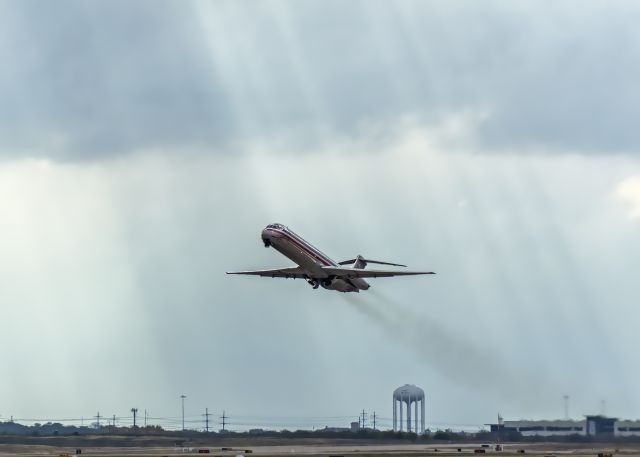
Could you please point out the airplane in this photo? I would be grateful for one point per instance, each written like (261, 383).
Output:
(318, 269)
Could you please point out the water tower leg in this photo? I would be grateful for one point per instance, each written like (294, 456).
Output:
(395, 413)
(401, 406)
(424, 425)
(409, 415)
(417, 430)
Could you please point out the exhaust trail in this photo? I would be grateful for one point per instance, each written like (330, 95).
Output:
(370, 311)
(449, 352)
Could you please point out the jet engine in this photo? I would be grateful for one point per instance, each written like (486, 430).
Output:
(338, 284)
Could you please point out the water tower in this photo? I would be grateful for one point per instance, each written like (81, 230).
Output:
(409, 394)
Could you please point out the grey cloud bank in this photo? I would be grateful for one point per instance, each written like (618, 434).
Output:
(82, 81)
(88, 80)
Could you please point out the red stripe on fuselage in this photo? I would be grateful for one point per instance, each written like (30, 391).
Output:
(306, 247)
(310, 246)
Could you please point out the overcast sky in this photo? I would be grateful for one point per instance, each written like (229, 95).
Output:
(144, 145)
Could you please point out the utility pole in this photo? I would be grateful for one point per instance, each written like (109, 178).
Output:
(114, 422)
(183, 397)
(97, 416)
(363, 419)
(145, 418)
(135, 412)
(206, 419)
(374, 421)
(224, 418)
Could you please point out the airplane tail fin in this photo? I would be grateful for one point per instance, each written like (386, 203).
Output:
(360, 262)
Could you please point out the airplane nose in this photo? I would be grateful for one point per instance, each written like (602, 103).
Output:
(266, 238)
(267, 235)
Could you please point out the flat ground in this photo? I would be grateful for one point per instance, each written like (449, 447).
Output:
(330, 449)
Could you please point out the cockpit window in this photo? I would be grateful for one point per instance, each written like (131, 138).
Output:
(277, 226)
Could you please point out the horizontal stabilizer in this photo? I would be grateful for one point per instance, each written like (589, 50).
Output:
(352, 261)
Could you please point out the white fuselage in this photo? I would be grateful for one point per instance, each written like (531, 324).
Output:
(309, 258)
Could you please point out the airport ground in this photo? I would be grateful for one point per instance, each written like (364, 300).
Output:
(90, 446)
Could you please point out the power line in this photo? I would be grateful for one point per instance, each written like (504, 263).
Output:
(194, 421)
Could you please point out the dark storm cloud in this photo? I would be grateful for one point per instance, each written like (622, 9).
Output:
(82, 80)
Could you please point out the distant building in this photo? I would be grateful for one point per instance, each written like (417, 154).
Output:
(334, 429)
(600, 425)
(542, 427)
(353, 427)
(590, 426)
(626, 428)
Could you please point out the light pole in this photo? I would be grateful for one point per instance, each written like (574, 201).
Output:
(183, 397)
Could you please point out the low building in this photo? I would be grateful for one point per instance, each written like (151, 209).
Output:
(626, 428)
(600, 425)
(334, 429)
(597, 425)
(542, 427)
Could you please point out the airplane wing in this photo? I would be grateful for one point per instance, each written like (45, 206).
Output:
(292, 272)
(350, 273)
